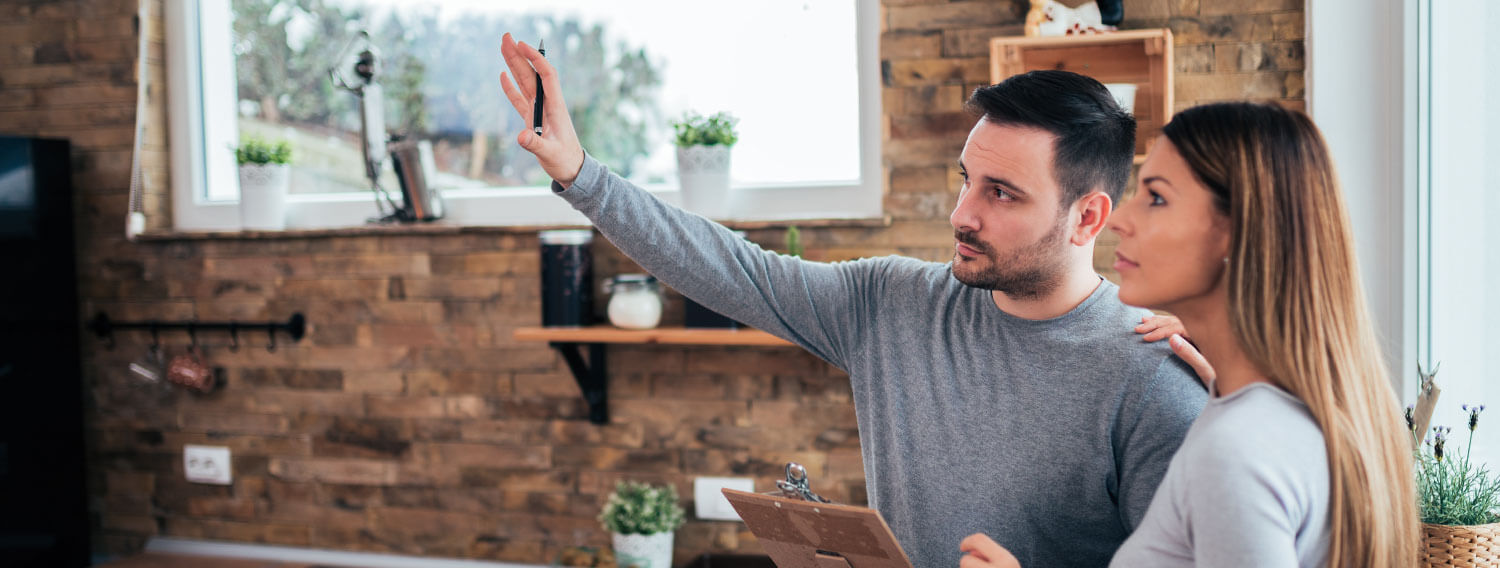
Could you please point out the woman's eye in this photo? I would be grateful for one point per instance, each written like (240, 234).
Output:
(1156, 199)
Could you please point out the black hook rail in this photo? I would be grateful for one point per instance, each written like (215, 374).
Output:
(296, 328)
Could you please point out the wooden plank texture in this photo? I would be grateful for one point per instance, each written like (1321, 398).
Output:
(661, 336)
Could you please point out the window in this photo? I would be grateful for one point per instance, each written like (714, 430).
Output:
(801, 75)
(1460, 193)
(1405, 99)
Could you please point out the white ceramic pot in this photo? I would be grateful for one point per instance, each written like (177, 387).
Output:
(703, 172)
(263, 189)
(643, 550)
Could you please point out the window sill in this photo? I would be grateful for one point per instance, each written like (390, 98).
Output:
(440, 228)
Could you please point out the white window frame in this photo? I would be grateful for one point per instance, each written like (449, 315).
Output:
(1372, 89)
(1457, 132)
(201, 85)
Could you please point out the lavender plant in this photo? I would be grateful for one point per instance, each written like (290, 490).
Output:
(1451, 489)
(638, 508)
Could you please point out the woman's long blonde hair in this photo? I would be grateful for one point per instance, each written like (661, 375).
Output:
(1299, 313)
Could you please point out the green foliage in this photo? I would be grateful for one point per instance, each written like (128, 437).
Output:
(638, 508)
(1451, 489)
(794, 241)
(439, 75)
(257, 151)
(698, 130)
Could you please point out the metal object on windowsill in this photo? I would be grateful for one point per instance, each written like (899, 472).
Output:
(412, 159)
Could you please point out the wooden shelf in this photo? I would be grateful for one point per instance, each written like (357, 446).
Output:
(661, 335)
(592, 373)
(1141, 57)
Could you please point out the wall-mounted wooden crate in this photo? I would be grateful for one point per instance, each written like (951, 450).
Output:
(1142, 57)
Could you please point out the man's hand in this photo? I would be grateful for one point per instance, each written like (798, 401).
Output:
(557, 149)
(982, 552)
(1157, 328)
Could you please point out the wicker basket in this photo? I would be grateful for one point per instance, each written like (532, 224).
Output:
(1466, 546)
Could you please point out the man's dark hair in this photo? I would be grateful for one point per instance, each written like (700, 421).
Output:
(1095, 138)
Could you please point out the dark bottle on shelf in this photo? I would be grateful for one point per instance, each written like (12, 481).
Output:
(567, 277)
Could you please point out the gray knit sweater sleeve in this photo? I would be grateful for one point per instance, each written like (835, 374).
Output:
(811, 304)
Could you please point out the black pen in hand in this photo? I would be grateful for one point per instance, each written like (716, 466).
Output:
(536, 112)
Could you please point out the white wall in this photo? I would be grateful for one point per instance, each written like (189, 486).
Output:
(1357, 73)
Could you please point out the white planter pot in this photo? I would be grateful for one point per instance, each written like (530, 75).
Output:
(644, 550)
(703, 172)
(263, 189)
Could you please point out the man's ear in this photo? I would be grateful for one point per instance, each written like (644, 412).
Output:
(1090, 215)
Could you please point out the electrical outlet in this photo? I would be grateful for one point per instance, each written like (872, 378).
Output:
(709, 502)
(206, 464)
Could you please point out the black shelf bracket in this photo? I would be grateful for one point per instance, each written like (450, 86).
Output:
(592, 376)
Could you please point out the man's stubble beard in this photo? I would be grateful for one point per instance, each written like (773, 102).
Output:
(1024, 274)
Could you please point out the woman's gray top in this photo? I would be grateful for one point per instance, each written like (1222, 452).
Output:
(1249, 487)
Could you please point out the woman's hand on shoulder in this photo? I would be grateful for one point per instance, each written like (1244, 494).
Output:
(981, 551)
(1157, 328)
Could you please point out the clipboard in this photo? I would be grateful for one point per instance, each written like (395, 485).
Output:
(799, 529)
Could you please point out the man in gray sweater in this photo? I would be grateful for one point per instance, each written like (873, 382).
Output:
(1003, 392)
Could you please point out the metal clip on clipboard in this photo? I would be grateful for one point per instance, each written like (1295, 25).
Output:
(796, 486)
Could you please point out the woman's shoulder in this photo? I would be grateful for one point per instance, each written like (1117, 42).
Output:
(1259, 431)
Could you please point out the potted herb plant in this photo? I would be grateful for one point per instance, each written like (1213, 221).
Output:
(644, 519)
(1459, 499)
(264, 174)
(703, 158)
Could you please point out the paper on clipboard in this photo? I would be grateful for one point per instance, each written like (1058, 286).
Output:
(805, 534)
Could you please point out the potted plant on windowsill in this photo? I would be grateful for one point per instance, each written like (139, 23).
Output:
(703, 158)
(643, 519)
(1459, 499)
(264, 175)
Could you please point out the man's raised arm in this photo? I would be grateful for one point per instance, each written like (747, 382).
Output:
(815, 305)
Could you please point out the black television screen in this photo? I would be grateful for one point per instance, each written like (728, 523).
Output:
(18, 193)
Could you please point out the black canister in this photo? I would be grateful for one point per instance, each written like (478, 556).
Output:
(567, 277)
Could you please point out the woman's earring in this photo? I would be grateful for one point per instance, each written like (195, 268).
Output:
(1226, 260)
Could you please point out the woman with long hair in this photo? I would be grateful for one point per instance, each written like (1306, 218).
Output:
(1238, 227)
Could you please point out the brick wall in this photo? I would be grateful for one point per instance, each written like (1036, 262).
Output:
(409, 421)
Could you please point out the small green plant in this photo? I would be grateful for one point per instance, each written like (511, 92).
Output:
(698, 130)
(260, 152)
(638, 508)
(794, 241)
(1451, 489)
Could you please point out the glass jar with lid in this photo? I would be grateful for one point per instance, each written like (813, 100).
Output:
(635, 301)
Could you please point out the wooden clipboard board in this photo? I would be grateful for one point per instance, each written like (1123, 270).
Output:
(806, 534)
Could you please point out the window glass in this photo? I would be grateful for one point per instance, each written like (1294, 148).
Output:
(786, 68)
